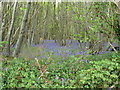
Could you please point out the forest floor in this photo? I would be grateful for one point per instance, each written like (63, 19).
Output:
(49, 65)
(51, 49)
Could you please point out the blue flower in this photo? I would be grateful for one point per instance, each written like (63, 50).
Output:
(56, 53)
(6, 69)
(58, 62)
(56, 77)
(46, 63)
(86, 61)
(62, 81)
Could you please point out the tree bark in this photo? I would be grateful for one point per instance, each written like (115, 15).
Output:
(119, 20)
(31, 32)
(10, 31)
(1, 24)
(22, 31)
(45, 22)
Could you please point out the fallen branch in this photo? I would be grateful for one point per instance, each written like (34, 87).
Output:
(113, 47)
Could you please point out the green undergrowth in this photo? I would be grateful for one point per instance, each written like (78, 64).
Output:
(101, 71)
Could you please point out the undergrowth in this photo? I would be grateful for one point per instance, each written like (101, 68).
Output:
(100, 71)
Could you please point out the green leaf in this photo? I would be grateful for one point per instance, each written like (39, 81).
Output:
(23, 9)
(4, 42)
(72, 56)
(1, 45)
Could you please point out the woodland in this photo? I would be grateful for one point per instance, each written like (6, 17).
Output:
(60, 45)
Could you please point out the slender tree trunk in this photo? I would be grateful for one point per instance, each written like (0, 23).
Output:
(32, 37)
(119, 12)
(14, 37)
(10, 30)
(86, 26)
(30, 32)
(55, 24)
(1, 23)
(22, 31)
(45, 21)
(0, 41)
(119, 20)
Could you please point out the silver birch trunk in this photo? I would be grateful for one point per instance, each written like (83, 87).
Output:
(1, 23)
(10, 30)
(99, 42)
(30, 33)
(22, 31)
(44, 24)
(0, 41)
(32, 38)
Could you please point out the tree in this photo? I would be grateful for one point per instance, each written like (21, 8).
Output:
(22, 31)
(9, 35)
(0, 21)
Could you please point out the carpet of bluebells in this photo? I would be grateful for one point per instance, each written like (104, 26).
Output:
(50, 48)
(49, 65)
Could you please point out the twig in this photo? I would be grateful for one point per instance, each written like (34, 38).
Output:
(113, 47)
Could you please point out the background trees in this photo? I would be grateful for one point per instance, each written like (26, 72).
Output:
(57, 44)
(92, 23)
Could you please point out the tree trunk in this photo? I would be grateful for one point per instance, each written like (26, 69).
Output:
(45, 22)
(119, 20)
(31, 32)
(1, 23)
(0, 41)
(10, 30)
(22, 31)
